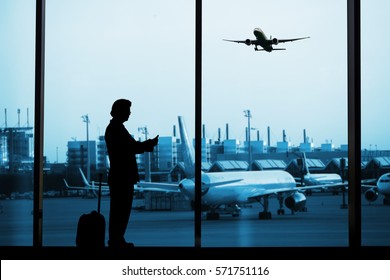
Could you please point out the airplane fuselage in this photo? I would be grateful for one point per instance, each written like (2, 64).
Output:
(322, 179)
(263, 41)
(237, 187)
(383, 184)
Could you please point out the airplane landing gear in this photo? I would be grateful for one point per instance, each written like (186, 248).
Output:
(212, 216)
(265, 215)
(236, 211)
(215, 212)
(281, 209)
(304, 209)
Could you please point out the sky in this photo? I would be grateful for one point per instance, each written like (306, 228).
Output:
(98, 51)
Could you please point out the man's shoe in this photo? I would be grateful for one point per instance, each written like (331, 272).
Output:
(127, 245)
(120, 245)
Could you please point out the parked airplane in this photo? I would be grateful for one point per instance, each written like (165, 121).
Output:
(229, 189)
(264, 42)
(382, 187)
(88, 188)
(333, 180)
(326, 180)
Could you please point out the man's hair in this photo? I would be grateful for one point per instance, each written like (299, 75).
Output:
(120, 106)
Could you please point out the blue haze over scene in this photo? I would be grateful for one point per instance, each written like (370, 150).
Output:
(99, 51)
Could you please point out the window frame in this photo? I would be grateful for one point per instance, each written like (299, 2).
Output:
(354, 154)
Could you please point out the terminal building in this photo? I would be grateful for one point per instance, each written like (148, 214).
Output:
(16, 147)
(165, 163)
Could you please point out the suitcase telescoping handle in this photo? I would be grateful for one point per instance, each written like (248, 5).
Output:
(100, 191)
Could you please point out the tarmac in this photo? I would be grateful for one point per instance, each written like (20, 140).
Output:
(324, 226)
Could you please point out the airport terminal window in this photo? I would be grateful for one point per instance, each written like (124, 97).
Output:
(291, 100)
(97, 52)
(17, 20)
(75, 86)
(375, 132)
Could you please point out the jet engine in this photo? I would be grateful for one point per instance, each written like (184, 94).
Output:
(248, 42)
(296, 201)
(371, 195)
(275, 41)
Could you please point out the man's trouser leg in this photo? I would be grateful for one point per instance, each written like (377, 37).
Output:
(120, 207)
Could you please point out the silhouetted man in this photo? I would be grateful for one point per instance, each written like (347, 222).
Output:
(123, 173)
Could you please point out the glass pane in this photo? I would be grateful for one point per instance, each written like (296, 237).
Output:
(98, 52)
(293, 101)
(375, 127)
(17, 60)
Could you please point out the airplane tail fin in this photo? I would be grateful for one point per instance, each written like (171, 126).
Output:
(66, 184)
(188, 149)
(90, 191)
(305, 166)
(86, 183)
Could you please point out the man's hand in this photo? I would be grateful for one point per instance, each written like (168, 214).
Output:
(150, 144)
(155, 140)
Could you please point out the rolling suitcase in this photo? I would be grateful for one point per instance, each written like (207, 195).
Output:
(91, 228)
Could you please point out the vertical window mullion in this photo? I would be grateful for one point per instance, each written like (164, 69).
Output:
(198, 121)
(38, 127)
(354, 123)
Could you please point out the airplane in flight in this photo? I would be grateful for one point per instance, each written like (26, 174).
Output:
(231, 189)
(262, 41)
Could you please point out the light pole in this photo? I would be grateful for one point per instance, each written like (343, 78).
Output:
(86, 120)
(249, 116)
(148, 177)
(144, 130)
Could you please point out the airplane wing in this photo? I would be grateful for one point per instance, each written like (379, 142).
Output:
(140, 187)
(291, 40)
(97, 183)
(320, 186)
(256, 42)
(157, 187)
(370, 181)
(258, 193)
(247, 41)
(264, 192)
(255, 194)
(324, 186)
(90, 187)
(368, 187)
